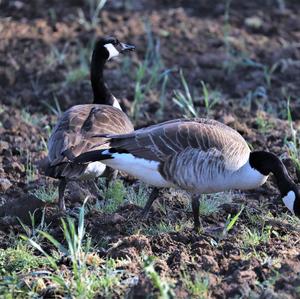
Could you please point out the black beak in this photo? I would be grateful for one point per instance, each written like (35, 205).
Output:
(126, 47)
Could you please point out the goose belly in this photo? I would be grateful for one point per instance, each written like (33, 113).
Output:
(143, 169)
(189, 177)
(211, 180)
(93, 170)
(223, 182)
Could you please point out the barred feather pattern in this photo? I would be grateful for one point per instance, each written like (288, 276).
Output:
(73, 136)
(194, 154)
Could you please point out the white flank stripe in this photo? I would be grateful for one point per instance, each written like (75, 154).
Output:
(112, 50)
(94, 170)
(145, 170)
(248, 178)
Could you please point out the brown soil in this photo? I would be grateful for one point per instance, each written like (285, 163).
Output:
(191, 35)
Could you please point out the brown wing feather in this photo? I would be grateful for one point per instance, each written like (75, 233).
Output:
(73, 132)
(160, 141)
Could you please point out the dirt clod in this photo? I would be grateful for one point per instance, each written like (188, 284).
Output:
(5, 184)
(244, 59)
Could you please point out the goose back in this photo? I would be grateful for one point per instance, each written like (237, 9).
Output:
(198, 154)
(73, 135)
(159, 142)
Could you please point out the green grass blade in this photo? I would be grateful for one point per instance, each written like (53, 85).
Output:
(233, 220)
(58, 245)
(39, 248)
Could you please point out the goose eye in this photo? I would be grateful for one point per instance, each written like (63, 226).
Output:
(126, 47)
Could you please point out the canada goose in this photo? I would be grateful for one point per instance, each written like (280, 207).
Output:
(73, 133)
(198, 155)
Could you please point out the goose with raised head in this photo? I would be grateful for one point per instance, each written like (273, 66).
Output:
(198, 155)
(73, 133)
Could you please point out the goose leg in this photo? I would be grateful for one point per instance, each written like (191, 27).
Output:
(61, 190)
(111, 176)
(195, 208)
(152, 197)
(95, 189)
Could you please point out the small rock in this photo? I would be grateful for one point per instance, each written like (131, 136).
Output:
(209, 264)
(212, 60)
(270, 294)
(228, 119)
(18, 4)
(22, 207)
(76, 195)
(4, 184)
(242, 276)
(117, 218)
(254, 22)
(17, 167)
(3, 146)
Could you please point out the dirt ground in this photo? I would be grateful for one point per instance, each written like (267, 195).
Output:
(251, 61)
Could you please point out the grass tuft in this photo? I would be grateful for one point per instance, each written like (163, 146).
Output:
(114, 196)
(210, 204)
(164, 288)
(46, 194)
(254, 237)
(197, 286)
(20, 258)
(30, 119)
(139, 196)
(186, 101)
(293, 146)
(264, 126)
(163, 227)
(91, 20)
(150, 75)
(88, 276)
(30, 169)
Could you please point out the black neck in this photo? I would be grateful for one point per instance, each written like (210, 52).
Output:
(102, 95)
(267, 163)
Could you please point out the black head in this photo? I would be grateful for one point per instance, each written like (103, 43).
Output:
(109, 47)
(297, 203)
(105, 48)
(266, 162)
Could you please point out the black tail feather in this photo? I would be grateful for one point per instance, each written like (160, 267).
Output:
(92, 156)
(104, 135)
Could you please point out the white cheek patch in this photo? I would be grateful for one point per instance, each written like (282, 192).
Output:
(289, 200)
(112, 50)
(116, 104)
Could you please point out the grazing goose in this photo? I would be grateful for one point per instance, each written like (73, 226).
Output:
(198, 155)
(73, 133)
